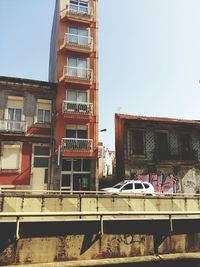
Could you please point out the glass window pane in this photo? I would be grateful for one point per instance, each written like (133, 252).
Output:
(77, 165)
(73, 30)
(65, 180)
(41, 150)
(82, 134)
(82, 63)
(66, 165)
(11, 114)
(83, 32)
(86, 165)
(128, 187)
(73, 37)
(40, 162)
(82, 97)
(47, 116)
(72, 62)
(138, 186)
(18, 113)
(70, 133)
(71, 95)
(40, 115)
(81, 182)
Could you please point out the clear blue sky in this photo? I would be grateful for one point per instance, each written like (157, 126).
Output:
(149, 53)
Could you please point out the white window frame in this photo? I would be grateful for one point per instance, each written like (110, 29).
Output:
(15, 102)
(77, 92)
(14, 145)
(39, 104)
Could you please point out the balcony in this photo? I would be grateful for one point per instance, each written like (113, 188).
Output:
(77, 13)
(77, 75)
(77, 43)
(13, 126)
(77, 108)
(76, 144)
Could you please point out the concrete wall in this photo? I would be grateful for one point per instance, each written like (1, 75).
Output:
(72, 203)
(52, 241)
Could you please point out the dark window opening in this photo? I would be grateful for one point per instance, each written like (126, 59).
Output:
(162, 151)
(138, 186)
(128, 187)
(138, 142)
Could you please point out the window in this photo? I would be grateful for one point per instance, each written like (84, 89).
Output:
(77, 132)
(41, 156)
(14, 119)
(76, 174)
(11, 156)
(66, 165)
(138, 186)
(14, 113)
(78, 36)
(77, 67)
(146, 185)
(77, 101)
(43, 111)
(128, 187)
(185, 145)
(162, 145)
(79, 6)
(77, 96)
(138, 142)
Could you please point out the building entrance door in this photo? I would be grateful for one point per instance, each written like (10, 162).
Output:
(40, 167)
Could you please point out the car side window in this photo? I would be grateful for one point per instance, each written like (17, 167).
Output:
(138, 186)
(146, 185)
(128, 187)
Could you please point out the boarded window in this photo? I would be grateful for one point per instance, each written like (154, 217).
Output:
(11, 157)
(138, 142)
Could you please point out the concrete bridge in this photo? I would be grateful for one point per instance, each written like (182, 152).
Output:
(96, 228)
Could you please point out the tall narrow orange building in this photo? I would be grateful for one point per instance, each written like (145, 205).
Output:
(74, 66)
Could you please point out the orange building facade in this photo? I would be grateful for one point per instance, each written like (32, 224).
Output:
(74, 66)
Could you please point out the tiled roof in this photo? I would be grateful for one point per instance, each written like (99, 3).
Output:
(156, 119)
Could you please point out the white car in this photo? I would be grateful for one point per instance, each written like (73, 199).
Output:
(131, 186)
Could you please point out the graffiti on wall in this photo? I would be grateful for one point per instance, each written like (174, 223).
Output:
(162, 183)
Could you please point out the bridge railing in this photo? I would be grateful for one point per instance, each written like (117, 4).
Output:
(101, 216)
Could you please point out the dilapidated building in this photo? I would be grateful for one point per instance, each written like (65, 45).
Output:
(164, 151)
(27, 115)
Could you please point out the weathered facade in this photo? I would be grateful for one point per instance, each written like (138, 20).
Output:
(164, 151)
(26, 132)
(74, 65)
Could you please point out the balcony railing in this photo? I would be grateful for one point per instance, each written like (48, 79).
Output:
(79, 10)
(80, 73)
(13, 126)
(78, 40)
(77, 107)
(76, 144)
(191, 155)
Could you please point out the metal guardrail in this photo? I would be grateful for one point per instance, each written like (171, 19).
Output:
(79, 73)
(13, 126)
(76, 144)
(78, 192)
(76, 39)
(77, 107)
(79, 10)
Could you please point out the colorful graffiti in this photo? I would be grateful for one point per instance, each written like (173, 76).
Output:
(161, 183)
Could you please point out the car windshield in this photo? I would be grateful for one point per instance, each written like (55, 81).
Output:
(119, 184)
